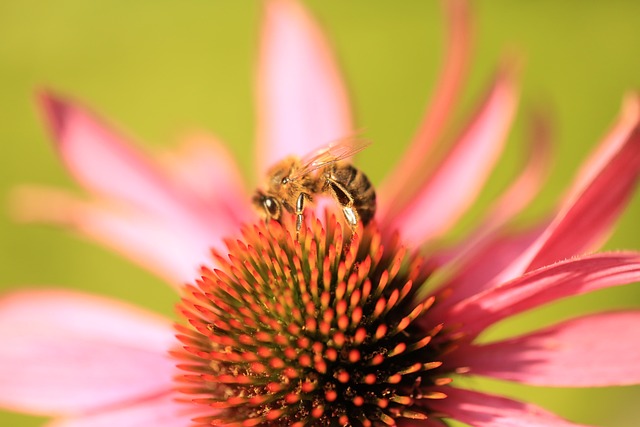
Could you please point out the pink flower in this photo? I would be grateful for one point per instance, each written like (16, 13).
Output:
(395, 327)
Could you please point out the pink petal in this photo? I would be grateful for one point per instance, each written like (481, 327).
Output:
(67, 353)
(491, 248)
(104, 163)
(174, 251)
(567, 278)
(205, 166)
(475, 271)
(160, 411)
(591, 351)
(484, 410)
(595, 201)
(302, 103)
(528, 183)
(460, 176)
(600, 194)
(447, 91)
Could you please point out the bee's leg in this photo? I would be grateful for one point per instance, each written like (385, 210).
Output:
(299, 211)
(345, 200)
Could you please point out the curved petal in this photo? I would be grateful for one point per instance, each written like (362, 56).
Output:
(600, 194)
(591, 351)
(67, 353)
(447, 91)
(573, 277)
(302, 103)
(460, 176)
(172, 250)
(161, 411)
(595, 201)
(485, 410)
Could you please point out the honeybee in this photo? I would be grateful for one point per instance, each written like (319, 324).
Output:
(293, 182)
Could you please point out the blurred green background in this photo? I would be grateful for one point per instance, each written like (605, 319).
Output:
(162, 67)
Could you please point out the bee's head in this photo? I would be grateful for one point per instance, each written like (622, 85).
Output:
(268, 206)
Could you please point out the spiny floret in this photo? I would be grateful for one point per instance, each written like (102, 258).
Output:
(315, 329)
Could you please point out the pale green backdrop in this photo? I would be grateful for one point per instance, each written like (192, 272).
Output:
(158, 67)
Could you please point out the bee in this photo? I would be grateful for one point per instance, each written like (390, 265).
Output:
(293, 183)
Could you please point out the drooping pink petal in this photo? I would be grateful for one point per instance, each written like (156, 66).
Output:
(67, 353)
(595, 201)
(567, 278)
(460, 176)
(591, 351)
(302, 103)
(172, 250)
(161, 411)
(447, 90)
(104, 163)
(485, 410)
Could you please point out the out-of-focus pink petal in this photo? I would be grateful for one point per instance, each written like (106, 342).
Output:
(168, 216)
(526, 186)
(105, 164)
(485, 410)
(591, 351)
(599, 195)
(302, 103)
(572, 277)
(491, 248)
(67, 353)
(447, 90)
(206, 167)
(175, 251)
(162, 411)
(460, 176)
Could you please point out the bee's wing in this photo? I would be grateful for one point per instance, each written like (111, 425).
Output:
(334, 152)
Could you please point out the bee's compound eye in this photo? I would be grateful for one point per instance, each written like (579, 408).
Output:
(271, 206)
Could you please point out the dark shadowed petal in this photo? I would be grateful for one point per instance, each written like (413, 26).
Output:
(66, 353)
(161, 411)
(302, 103)
(447, 90)
(591, 351)
(572, 277)
(457, 181)
(484, 410)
